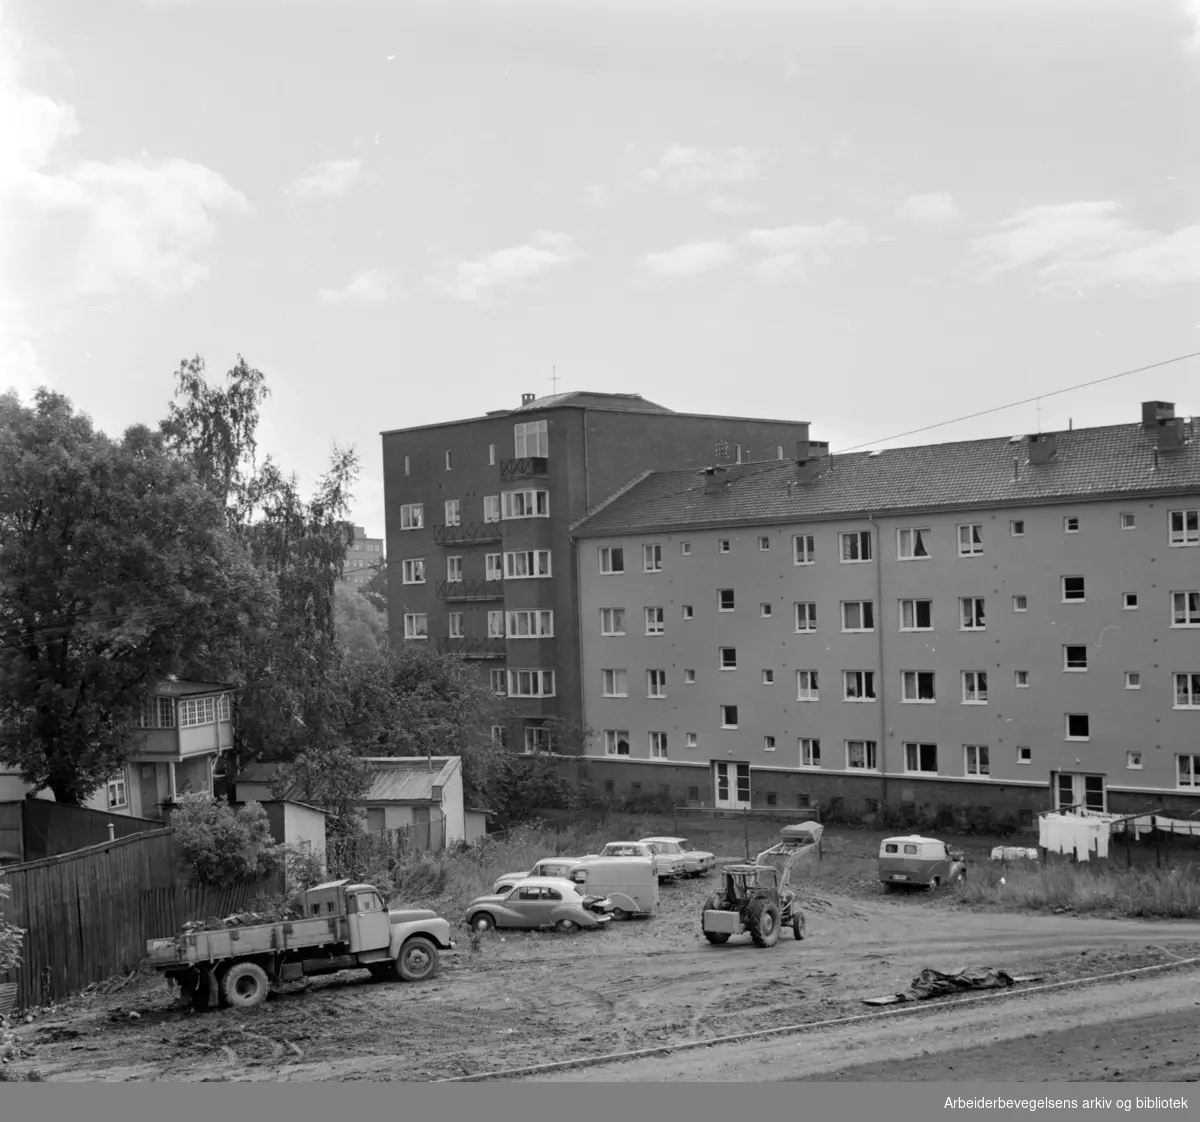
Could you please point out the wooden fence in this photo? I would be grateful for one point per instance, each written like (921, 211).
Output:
(362, 853)
(31, 829)
(87, 915)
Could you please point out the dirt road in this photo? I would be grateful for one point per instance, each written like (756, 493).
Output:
(529, 999)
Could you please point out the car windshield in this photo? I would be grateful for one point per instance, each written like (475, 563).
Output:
(623, 850)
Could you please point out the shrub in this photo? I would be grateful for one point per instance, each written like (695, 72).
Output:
(11, 937)
(222, 845)
(304, 869)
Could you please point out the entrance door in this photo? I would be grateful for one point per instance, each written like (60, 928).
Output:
(1076, 791)
(731, 784)
(148, 785)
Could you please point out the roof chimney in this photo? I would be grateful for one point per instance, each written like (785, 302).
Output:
(803, 450)
(1043, 447)
(526, 398)
(1155, 411)
(1169, 434)
(714, 480)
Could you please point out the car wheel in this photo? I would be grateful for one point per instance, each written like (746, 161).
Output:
(481, 921)
(935, 883)
(417, 960)
(245, 984)
(566, 926)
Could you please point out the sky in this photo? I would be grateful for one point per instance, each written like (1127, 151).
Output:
(871, 216)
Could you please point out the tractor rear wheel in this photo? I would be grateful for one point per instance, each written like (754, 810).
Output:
(763, 921)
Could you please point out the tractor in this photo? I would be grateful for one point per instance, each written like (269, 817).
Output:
(754, 899)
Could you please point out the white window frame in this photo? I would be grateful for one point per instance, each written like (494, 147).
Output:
(491, 455)
(453, 512)
(495, 624)
(803, 552)
(412, 516)
(915, 625)
(685, 549)
(498, 682)
(1071, 524)
(529, 623)
(1133, 679)
(454, 625)
(656, 684)
(722, 663)
(491, 508)
(723, 545)
(1185, 608)
(1187, 777)
(658, 745)
(970, 539)
(689, 677)
(652, 558)
(1188, 533)
(972, 609)
(807, 685)
(858, 686)
(805, 611)
(725, 723)
(614, 683)
(1190, 692)
(412, 570)
(1020, 679)
(910, 687)
(531, 439)
(909, 538)
(416, 625)
(691, 740)
(974, 687)
(1020, 603)
(540, 682)
(656, 621)
(606, 555)
(1129, 601)
(810, 751)
(535, 740)
(613, 739)
(454, 569)
(912, 754)
(870, 755)
(855, 542)
(866, 615)
(764, 543)
(720, 597)
(764, 610)
(1067, 727)
(408, 465)
(449, 460)
(769, 743)
(1024, 754)
(687, 611)
(768, 677)
(1128, 520)
(532, 560)
(977, 759)
(223, 707)
(610, 621)
(117, 792)
(525, 503)
(1133, 759)
(197, 711)
(1016, 528)
(1067, 667)
(1062, 584)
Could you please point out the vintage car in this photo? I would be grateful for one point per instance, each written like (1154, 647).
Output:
(696, 863)
(546, 867)
(914, 861)
(539, 903)
(666, 865)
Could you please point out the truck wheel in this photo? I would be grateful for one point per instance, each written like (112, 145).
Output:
(245, 984)
(717, 936)
(763, 921)
(417, 960)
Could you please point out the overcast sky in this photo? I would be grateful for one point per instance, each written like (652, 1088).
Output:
(869, 216)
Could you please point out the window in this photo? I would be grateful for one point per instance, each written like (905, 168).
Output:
(498, 734)
(495, 624)
(1133, 761)
(615, 683)
(493, 567)
(1024, 754)
(453, 515)
(454, 570)
(690, 741)
(496, 681)
(914, 545)
(858, 615)
(408, 465)
(810, 752)
(531, 439)
(764, 610)
(223, 707)
(916, 615)
(687, 611)
(1185, 527)
(1133, 680)
(918, 686)
(491, 508)
(723, 545)
(1189, 771)
(1128, 521)
(455, 625)
(656, 622)
(860, 755)
(725, 600)
(525, 504)
(531, 683)
(658, 745)
(685, 549)
(117, 796)
(806, 617)
(860, 685)
(656, 683)
(1017, 527)
(1187, 691)
(491, 455)
(416, 625)
(974, 687)
(976, 760)
(802, 549)
(1073, 589)
(1020, 604)
(768, 744)
(768, 677)
(1185, 609)
(412, 570)
(612, 621)
(412, 516)
(612, 559)
(652, 561)
(527, 563)
(728, 658)
(689, 677)
(616, 742)
(764, 544)
(447, 459)
(530, 625)
(855, 546)
(920, 758)
(1074, 658)
(806, 685)
(970, 540)
(537, 739)
(1021, 679)
(971, 608)
(1078, 726)
(1129, 601)
(729, 716)
(1071, 525)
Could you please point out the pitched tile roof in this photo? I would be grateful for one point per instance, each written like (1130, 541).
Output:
(1090, 463)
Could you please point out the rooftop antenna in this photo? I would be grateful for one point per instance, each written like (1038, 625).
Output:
(1039, 414)
(554, 378)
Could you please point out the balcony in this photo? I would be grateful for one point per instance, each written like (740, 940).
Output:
(470, 590)
(524, 468)
(469, 533)
(472, 648)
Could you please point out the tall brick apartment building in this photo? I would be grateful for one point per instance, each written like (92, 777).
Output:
(478, 517)
(1005, 624)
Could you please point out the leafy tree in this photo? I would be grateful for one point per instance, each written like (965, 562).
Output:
(11, 937)
(361, 629)
(375, 589)
(115, 568)
(223, 845)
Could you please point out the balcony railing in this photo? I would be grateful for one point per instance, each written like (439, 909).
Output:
(470, 590)
(524, 467)
(472, 648)
(467, 533)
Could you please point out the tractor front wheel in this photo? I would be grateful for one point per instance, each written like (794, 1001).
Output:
(717, 936)
(763, 921)
(798, 925)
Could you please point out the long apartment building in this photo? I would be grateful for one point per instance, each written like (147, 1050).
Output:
(1006, 624)
(362, 555)
(478, 517)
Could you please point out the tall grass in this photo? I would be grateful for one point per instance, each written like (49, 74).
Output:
(1161, 893)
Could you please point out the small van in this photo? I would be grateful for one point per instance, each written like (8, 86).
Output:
(914, 861)
(630, 883)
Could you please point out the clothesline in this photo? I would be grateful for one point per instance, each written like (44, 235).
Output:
(1091, 831)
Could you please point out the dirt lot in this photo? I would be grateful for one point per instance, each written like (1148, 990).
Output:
(527, 999)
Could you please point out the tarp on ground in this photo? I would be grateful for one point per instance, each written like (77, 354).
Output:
(936, 983)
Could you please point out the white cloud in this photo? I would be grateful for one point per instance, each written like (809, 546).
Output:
(596, 195)
(686, 169)
(689, 259)
(1085, 244)
(19, 369)
(333, 177)
(1191, 9)
(933, 209)
(792, 250)
(721, 204)
(507, 269)
(371, 287)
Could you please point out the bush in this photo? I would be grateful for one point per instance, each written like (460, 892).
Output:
(304, 869)
(11, 937)
(222, 845)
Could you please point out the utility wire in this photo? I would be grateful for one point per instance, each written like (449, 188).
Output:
(1026, 401)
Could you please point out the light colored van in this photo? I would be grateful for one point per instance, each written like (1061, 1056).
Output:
(914, 861)
(630, 883)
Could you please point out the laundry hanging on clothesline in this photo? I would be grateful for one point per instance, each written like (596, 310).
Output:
(1187, 827)
(1074, 833)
